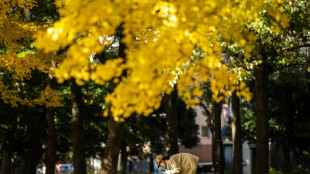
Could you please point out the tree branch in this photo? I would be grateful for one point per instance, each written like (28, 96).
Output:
(296, 47)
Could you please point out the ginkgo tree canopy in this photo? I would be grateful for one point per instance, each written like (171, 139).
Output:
(160, 38)
(18, 57)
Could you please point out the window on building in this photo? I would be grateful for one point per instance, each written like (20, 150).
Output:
(205, 132)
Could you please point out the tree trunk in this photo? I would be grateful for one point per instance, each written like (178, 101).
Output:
(112, 149)
(27, 12)
(116, 129)
(79, 162)
(51, 137)
(236, 135)
(33, 153)
(151, 164)
(124, 155)
(262, 151)
(7, 154)
(170, 105)
(218, 160)
(286, 153)
(51, 142)
(210, 120)
(213, 152)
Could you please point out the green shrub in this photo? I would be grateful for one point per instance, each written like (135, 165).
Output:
(299, 170)
(274, 171)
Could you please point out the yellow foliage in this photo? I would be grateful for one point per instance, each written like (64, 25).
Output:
(15, 34)
(160, 55)
(48, 97)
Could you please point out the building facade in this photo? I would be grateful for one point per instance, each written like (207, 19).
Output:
(204, 148)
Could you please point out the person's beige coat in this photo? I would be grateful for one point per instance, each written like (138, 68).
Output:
(182, 163)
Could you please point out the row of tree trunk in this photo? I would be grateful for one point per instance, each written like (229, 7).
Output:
(110, 157)
(116, 129)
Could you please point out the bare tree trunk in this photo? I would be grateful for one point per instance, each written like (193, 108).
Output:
(112, 149)
(7, 154)
(262, 151)
(51, 137)
(79, 162)
(218, 160)
(170, 104)
(236, 135)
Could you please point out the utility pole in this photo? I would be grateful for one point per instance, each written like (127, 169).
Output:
(218, 142)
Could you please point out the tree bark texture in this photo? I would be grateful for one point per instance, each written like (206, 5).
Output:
(79, 162)
(112, 149)
(170, 105)
(236, 135)
(262, 150)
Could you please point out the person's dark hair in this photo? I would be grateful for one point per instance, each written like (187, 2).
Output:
(166, 157)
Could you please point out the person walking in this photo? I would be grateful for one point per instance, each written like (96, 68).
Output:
(181, 163)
